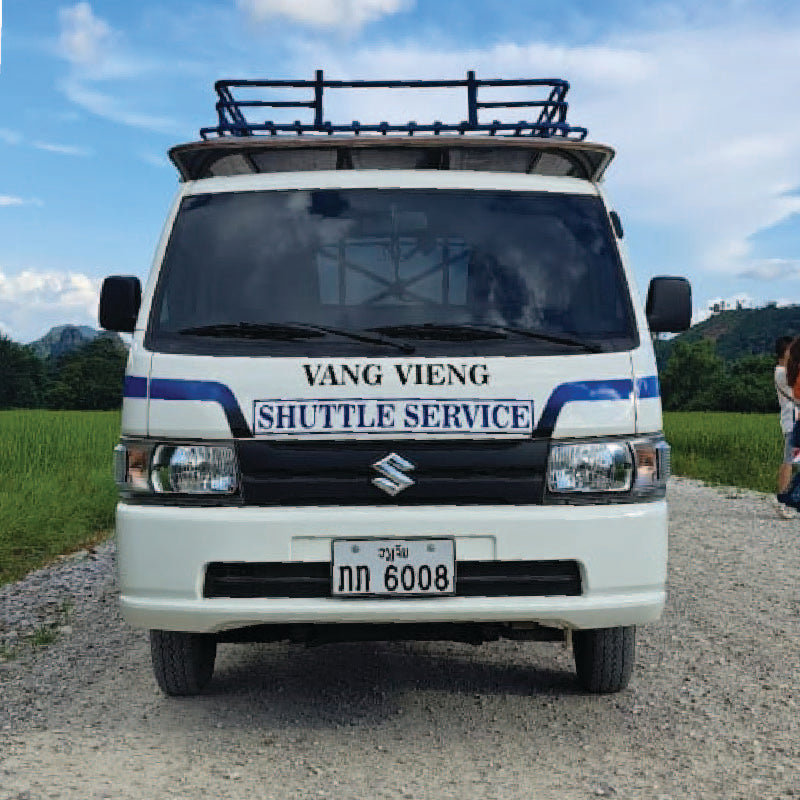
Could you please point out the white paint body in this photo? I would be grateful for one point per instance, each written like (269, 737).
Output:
(163, 551)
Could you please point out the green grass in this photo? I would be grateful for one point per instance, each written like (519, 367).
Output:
(57, 492)
(726, 449)
(43, 636)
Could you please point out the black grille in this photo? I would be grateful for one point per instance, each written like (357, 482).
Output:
(517, 578)
(473, 579)
(341, 473)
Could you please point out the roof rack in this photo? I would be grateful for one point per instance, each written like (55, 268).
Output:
(551, 121)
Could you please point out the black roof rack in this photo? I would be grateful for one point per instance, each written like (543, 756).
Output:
(550, 122)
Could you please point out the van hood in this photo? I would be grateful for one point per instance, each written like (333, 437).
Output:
(181, 396)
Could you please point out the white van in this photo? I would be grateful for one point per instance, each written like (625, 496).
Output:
(391, 382)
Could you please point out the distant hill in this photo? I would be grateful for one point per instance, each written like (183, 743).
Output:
(739, 332)
(65, 338)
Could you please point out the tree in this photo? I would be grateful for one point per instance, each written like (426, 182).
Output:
(697, 379)
(89, 378)
(23, 378)
(749, 386)
(690, 380)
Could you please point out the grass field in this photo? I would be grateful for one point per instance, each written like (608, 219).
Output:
(729, 449)
(57, 492)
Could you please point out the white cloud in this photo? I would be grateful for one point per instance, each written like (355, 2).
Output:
(707, 146)
(9, 137)
(352, 14)
(12, 200)
(155, 160)
(771, 269)
(740, 300)
(32, 301)
(97, 54)
(110, 107)
(85, 39)
(62, 149)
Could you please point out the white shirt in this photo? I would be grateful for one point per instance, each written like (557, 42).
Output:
(784, 398)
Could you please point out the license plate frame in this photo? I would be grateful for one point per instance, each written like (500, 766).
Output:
(361, 567)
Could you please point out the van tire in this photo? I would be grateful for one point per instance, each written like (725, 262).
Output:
(604, 658)
(183, 663)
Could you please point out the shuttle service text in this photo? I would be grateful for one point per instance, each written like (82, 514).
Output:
(405, 415)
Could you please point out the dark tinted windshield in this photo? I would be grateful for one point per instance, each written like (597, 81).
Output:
(297, 271)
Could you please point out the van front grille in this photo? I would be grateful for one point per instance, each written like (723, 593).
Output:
(322, 473)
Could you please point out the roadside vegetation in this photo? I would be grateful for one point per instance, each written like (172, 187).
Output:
(57, 491)
(87, 378)
(696, 378)
(726, 449)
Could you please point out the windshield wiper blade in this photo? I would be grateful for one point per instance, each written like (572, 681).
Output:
(288, 331)
(254, 330)
(403, 347)
(431, 330)
(468, 331)
(557, 338)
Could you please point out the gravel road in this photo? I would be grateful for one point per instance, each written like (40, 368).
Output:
(712, 711)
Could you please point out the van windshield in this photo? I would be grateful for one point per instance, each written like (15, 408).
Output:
(366, 270)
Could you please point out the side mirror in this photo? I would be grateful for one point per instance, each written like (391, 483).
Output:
(669, 305)
(120, 299)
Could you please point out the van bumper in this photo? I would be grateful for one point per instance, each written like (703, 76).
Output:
(163, 553)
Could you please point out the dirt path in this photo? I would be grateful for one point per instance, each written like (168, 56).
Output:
(712, 711)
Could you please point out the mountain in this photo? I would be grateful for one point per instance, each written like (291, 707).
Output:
(65, 338)
(739, 332)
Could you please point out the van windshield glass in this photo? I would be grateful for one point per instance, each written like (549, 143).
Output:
(301, 271)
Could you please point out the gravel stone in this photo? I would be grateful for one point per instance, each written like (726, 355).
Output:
(711, 712)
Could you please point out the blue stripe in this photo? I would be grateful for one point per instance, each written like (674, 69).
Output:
(618, 389)
(647, 387)
(134, 387)
(176, 389)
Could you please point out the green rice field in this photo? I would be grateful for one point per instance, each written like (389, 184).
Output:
(57, 493)
(726, 449)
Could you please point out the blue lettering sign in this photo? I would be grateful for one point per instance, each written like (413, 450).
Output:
(412, 416)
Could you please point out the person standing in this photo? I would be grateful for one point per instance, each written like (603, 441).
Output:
(788, 408)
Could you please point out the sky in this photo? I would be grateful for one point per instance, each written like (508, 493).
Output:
(700, 100)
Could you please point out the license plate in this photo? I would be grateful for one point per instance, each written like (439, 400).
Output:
(393, 567)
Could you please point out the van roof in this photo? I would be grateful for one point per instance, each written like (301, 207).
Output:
(237, 145)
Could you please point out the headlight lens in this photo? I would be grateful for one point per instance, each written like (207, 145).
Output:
(638, 468)
(176, 468)
(590, 467)
(194, 469)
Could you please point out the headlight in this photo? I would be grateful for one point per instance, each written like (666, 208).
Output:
(635, 469)
(176, 468)
(590, 467)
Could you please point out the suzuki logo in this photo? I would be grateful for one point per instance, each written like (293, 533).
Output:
(393, 469)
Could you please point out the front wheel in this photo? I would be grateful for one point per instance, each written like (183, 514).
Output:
(604, 658)
(183, 663)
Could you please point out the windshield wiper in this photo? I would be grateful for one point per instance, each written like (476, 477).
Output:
(466, 332)
(287, 331)
(431, 330)
(557, 338)
(254, 330)
(403, 347)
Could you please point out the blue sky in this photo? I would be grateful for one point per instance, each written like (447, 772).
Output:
(703, 106)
